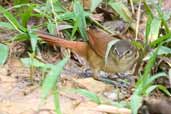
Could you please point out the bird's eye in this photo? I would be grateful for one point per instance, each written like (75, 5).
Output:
(128, 52)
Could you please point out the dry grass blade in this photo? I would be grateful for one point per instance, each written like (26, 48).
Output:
(138, 20)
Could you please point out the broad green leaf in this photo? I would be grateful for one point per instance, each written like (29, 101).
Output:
(52, 77)
(4, 50)
(136, 101)
(12, 20)
(122, 10)
(154, 29)
(88, 94)
(94, 4)
(80, 18)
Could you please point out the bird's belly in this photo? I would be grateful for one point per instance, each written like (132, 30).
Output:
(95, 61)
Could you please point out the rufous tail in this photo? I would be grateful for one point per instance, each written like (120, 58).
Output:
(80, 48)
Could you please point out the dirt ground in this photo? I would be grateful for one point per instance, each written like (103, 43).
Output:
(19, 96)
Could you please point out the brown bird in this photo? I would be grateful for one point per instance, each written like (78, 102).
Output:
(121, 56)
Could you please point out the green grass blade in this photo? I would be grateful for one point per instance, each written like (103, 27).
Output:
(136, 98)
(66, 16)
(32, 62)
(33, 39)
(162, 51)
(12, 20)
(154, 77)
(20, 37)
(6, 25)
(138, 45)
(74, 30)
(51, 27)
(147, 31)
(52, 77)
(56, 101)
(149, 65)
(18, 2)
(135, 103)
(122, 10)
(160, 40)
(162, 18)
(164, 89)
(4, 50)
(36, 63)
(151, 79)
(161, 87)
(148, 10)
(154, 29)
(88, 94)
(80, 18)
(26, 15)
(140, 83)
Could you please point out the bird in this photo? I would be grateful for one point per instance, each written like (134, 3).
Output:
(121, 56)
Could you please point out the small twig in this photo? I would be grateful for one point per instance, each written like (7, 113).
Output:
(138, 20)
(111, 109)
(170, 77)
(132, 7)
